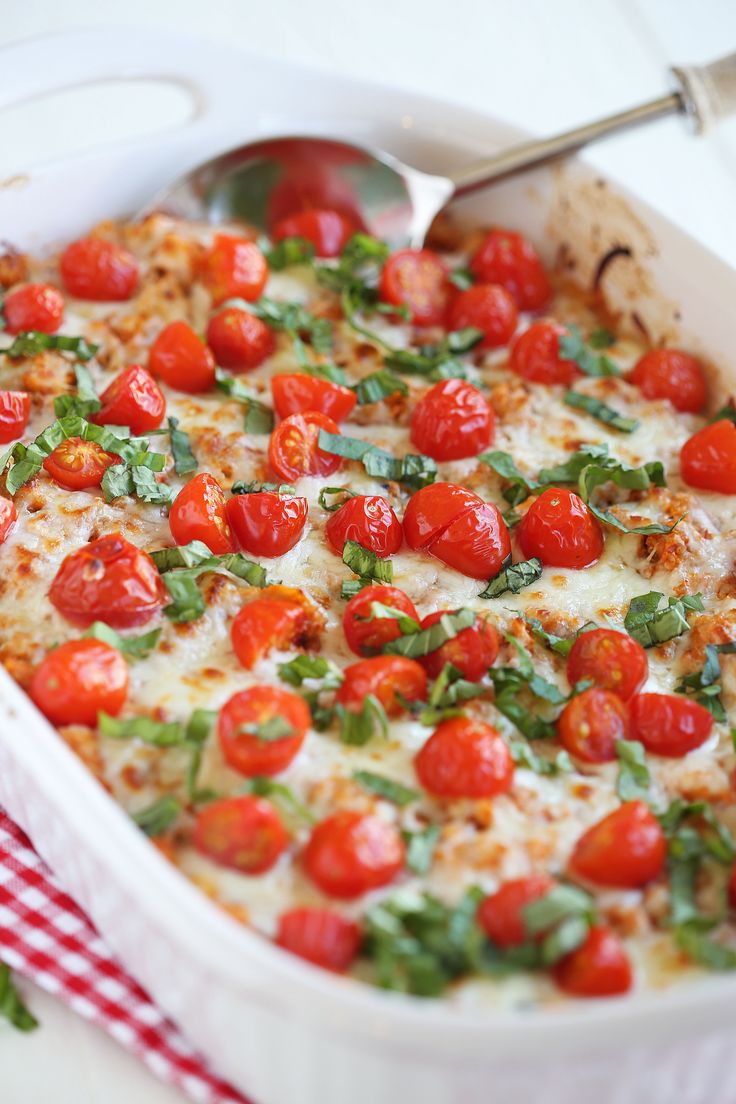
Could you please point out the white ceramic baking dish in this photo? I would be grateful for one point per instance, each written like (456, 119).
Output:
(282, 1031)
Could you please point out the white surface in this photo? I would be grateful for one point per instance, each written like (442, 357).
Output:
(536, 64)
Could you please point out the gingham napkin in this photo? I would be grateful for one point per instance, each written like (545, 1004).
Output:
(46, 937)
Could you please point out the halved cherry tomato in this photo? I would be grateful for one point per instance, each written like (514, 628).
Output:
(265, 623)
(8, 518)
(234, 268)
(238, 339)
(198, 513)
(293, 449)
(502, 914)
(133, 399)
(33, 307)
(78, 680)
(297, 392)
(671, 374)
(591, 723)
(417, 279)
(392, 679)
(559, 528)
(237, 729)
(708, 458)
(599, 967)
(243, 833)
(668, 724)
(458, 528)
(182, 359)
(464, 758)
(328, 231)
(349, 854)
(15, 410)
(506, 257)
(92, 268)
(613, 660)
(369, 520)
(471, 652)
(321, 936)
(487, 307)
(627, 848)
(535, 355)
(108, 580)
(431, 510)
(365, 634)
(452, 421)
(77, 464)
(266, 523)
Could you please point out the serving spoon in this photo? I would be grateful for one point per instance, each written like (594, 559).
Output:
(263, 181)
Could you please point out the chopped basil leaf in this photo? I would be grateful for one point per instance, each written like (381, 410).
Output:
(650, 625)
(137, 480)
(356, 273)
(504, 465)
(378, 386)
(695, 835)
(31, 342)
(634, 779)
(559, 644)
(415, 471)
(258, 416)
(269, 731)
(294, 320)
(350, 587)
(331, 372)
(132, 647)
(556, 906)
(717, 842)
(702, 949)
(448, 691)
(289, 251)
(514, 578)
(386, 787)
(705, 685)
(421, 642)
(243, 488)
(436, 362)
(157, 818)
(184, 459)
(462, 278)
(12, 1007)
(525, 756)
(86, 400)
(302, 667)
(158, 733)
(327, 492)
(366, 564)
(181, 566)
(571, 470)
(728, 411)
(650, 474)
(381, 612)
(420, 847)
(601, 339)
(600, 410)
(281, 795)
(573, 347)
(357, 728)
(510, 682)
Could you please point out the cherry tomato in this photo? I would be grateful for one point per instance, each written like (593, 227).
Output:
(349, 854)
(15, 410)
(243, 833)
(535, 355)
(266, 623)
(502, 914)
(293, 449)
(182, 359)
(366, 635)
(559, 528)
(487, 307)
(78, 680)
(452, 421)
(108, 580)
(471, 652)
(33, 307)
(674, 375)
(464, 758)
(243, 748)
(431, 509)
(417, 279)
(590, 725)
(732, 887)
(626, 849)
(234, 268)
(599, 967)
(612, 660)
(507, 258)
(296, 392)
(668, 724)
(238, 339)
(77, 464)
(198, 513)
(8, 518)
(369, 520)
(392, 679)
(708, 458)
(266, 523)
(321, 936)
(133, 399)
(458, 528)
(92, 268)
(328, 231)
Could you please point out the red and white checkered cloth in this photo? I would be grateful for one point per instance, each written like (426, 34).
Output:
(46, 937)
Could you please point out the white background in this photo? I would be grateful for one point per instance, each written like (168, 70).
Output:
(542, 64)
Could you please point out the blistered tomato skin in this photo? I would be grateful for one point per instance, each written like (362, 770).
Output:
(108, 580)
(535, 355)
(673, 375)
(501, 915)
(351, 853)
(92, 268)
(708, 458)
(198, 513)
(369, 520)
(243, 833)
(245, 751)
(37, 307)
(559, 528)
(328, 231)
(15, 410)
(238, 339)
(180, 358)
(452, 421)
(133, 399)
(321, 936)
(266, 523)
(626, 849)
(486, 307)
(297, 392)
(613, 660)
(78, 465)
(234, 268)
(590, 725)
(263, 624)
(507, 258)
(669, 724)
(431, 509)
(78, 680)
(365, 634)
(464, 758)
(471, 652)
(8, 518)
(458, 528)
(416, 279)
(394, 680)
(293, 449)
(598, 968)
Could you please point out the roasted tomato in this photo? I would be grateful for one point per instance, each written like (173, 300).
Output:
(265, 623)
(673, 375)
(261, 729)
(349, 854)
(369, 520)
(416, 279)
(452, 421)
(133, 399)
(502, 914)
(92, 268)
(559, 528)
(507, 258)
(321, 936)
(37, 307)
(8, 518)
(708, 458)
(297, 392)
(366, 634)
(599, 967)
(238, 339)
(78, 680)
(535, 355)
(458, 528)
(15, 410)
(464, 758)
(266, 523)
(108, 580)
(392, 679)
(591, 723)
(626, 849)
(486, 307)
(77, 464)
(181, 359)
(612, 660)
(198, 513)
(293, 450)
(471, 652)
(431, 510)
(328, 231)
(668, 724)
(234, 268)
(243, 833)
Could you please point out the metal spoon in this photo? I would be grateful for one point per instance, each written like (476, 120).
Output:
(262, 181)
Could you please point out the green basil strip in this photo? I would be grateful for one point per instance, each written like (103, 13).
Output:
(559, 644)
(158, 733)
(343, 493)
(331, 372)
(288, 252)
(258, 417)
(269, 731)
(650, 474)
(86, 401)
(378, 386)
(366, 563)
(462, 278)
(572, 468)
(525, 756)
(254, 487)
(302, 667)
(294, 319)
(138, 481)
(634, 779)
(357, 728)
(705, 685)
(12, 1007)
(156, 819)
(513, 578)
(447, 693)
(420, 848)
(421, 643)
(31, 342)
(651, 625)
(184, 459)
(569, 912)
(281, 795)
(704, 950)
(381, 612)
(181, 566)
(414, 470)
(573, 347)
(504, 465)
(601, 411)
(601, 338)
(132, 647)
(386, 787)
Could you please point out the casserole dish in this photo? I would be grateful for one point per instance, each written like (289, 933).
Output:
(278, 1030)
